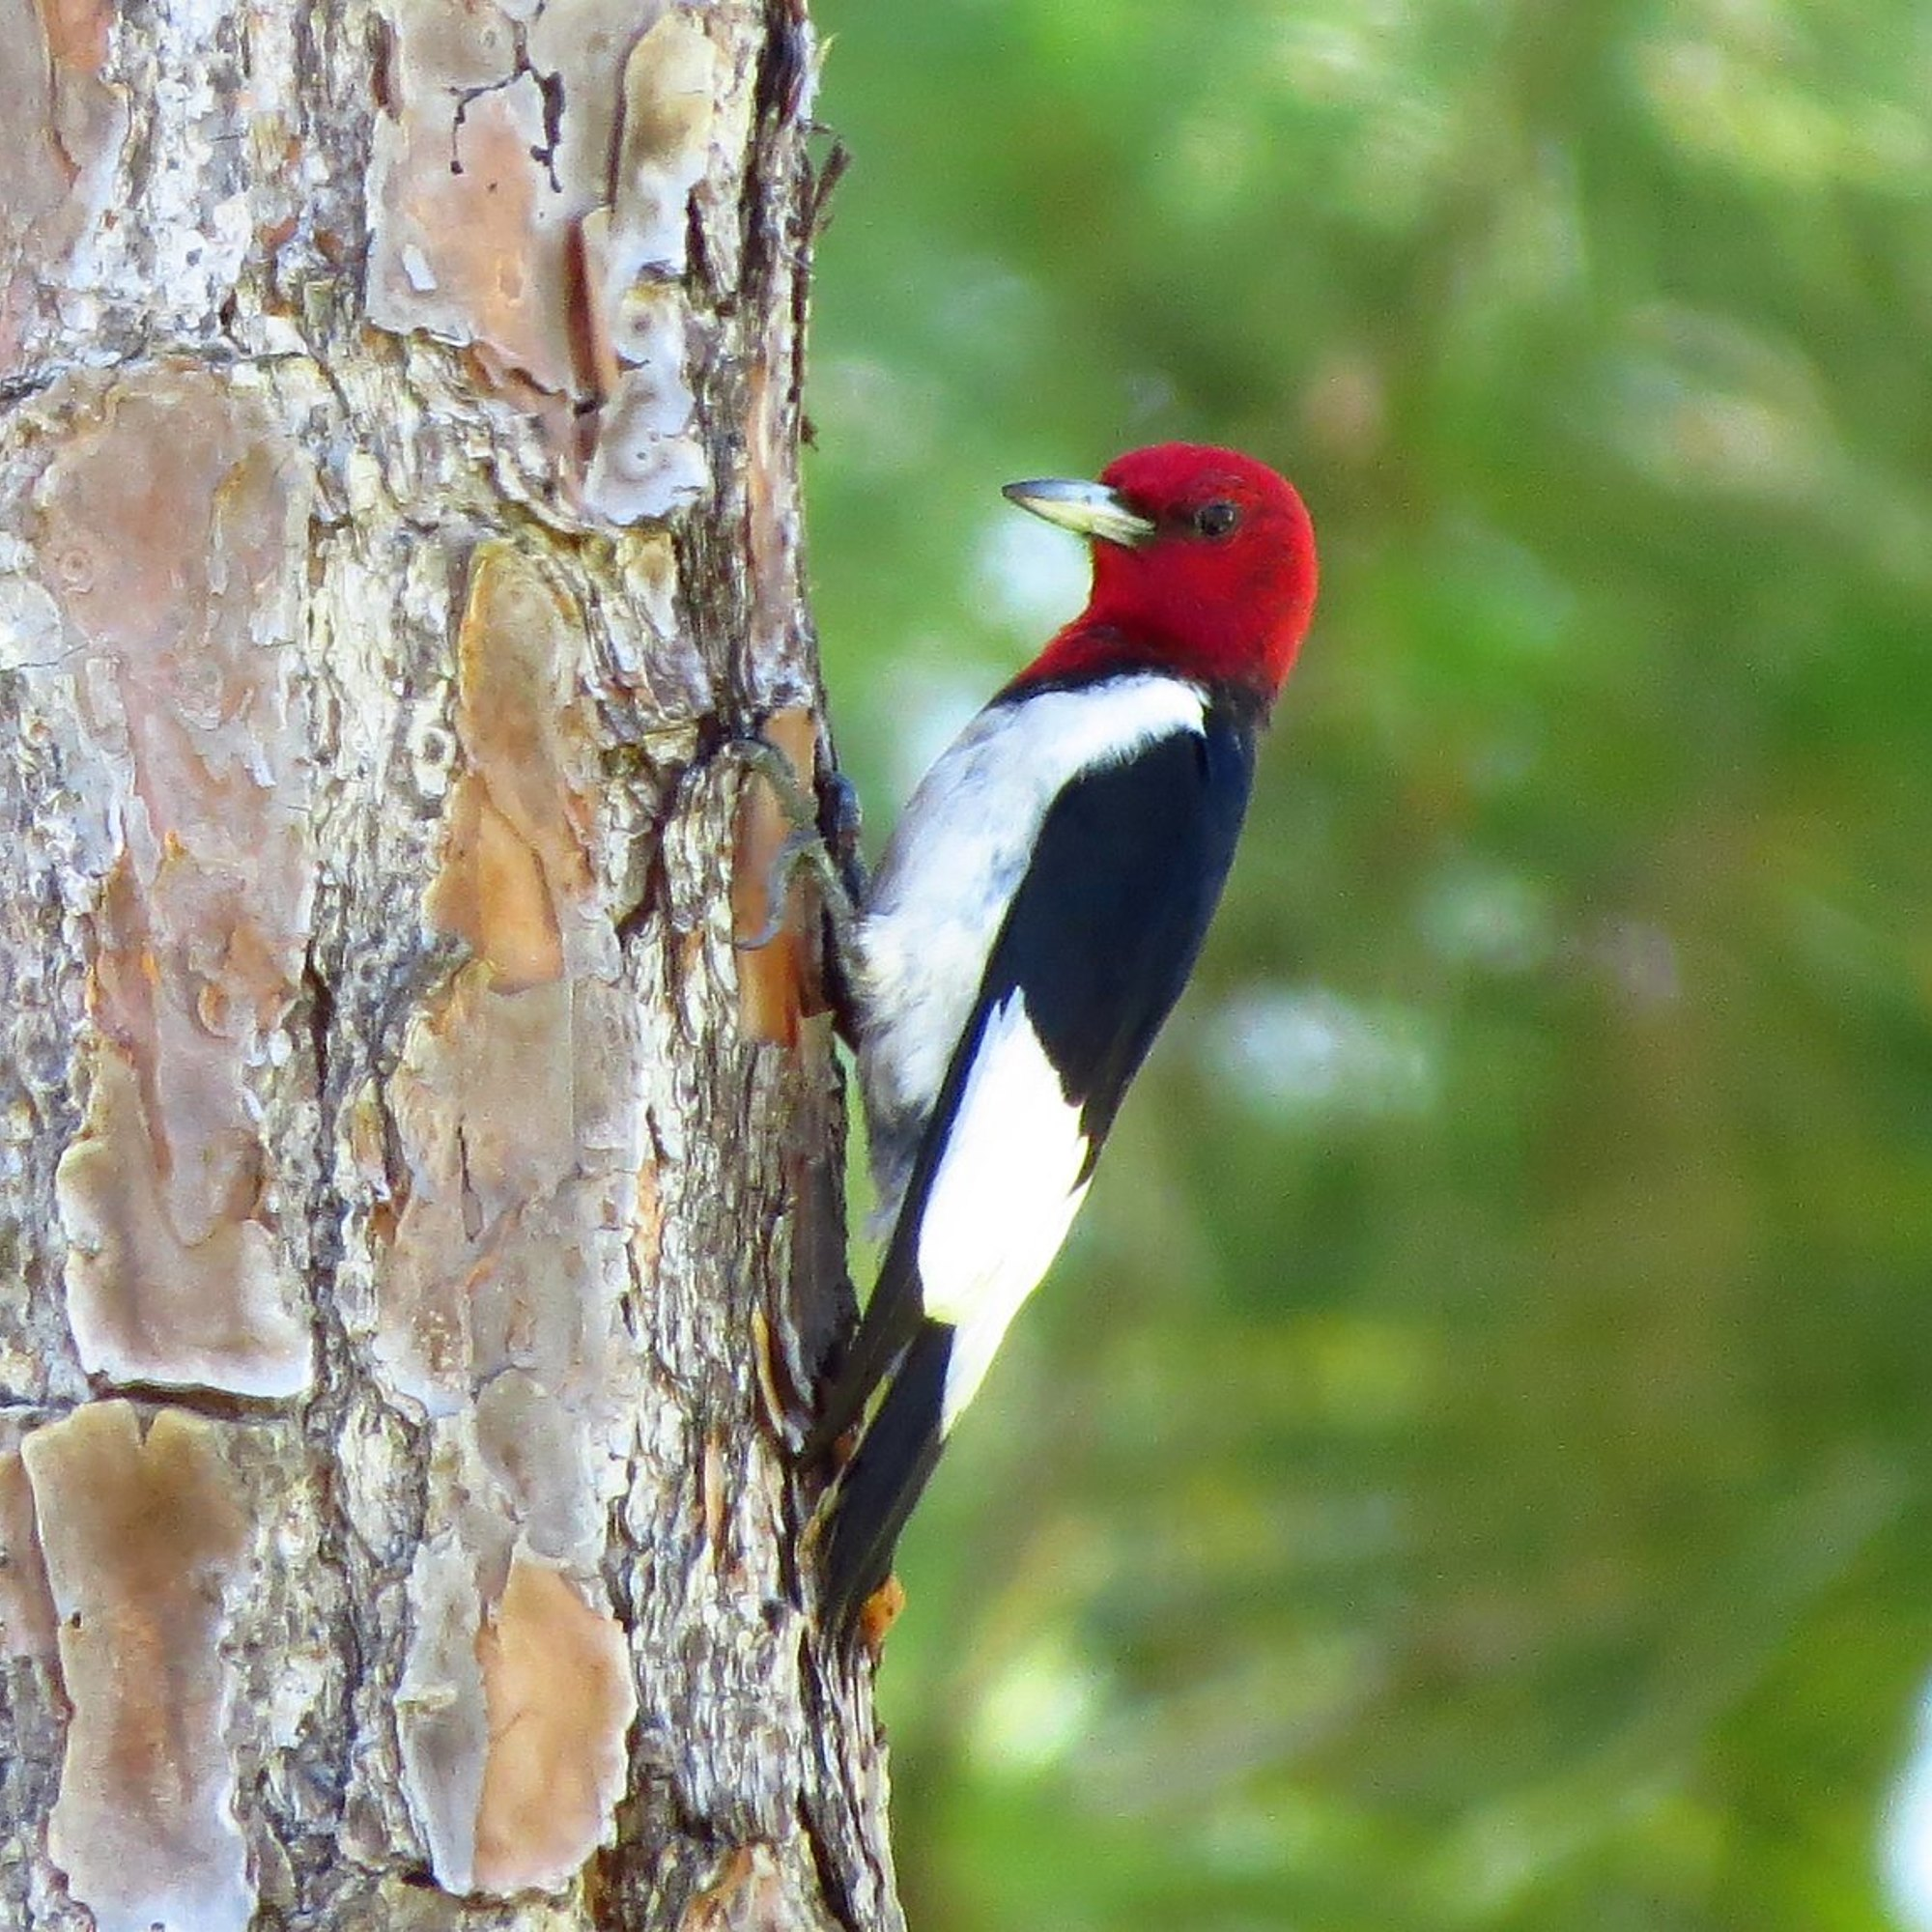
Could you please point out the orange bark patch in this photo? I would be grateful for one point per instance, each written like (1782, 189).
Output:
(165, 536)
(556, 1686)
(467, 243)
(65, 127)
(76, 32)
(27, 1621)
(648, 1221)
(143, 1303)
(553, 246)
(492, 893)
(775, 984)
(141, 1540)
(515, 875)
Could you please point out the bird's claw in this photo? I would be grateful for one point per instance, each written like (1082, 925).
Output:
(824, 840)
(801, 846)
(796, 799)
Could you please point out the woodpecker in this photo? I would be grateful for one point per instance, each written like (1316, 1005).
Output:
(1034, 918)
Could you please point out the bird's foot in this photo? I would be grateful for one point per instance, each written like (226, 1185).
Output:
(803, 849)
(824, 842)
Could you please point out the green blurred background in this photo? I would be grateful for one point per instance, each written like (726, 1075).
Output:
(1473, 1466)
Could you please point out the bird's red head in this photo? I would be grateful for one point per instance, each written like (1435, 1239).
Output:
(1204, 564)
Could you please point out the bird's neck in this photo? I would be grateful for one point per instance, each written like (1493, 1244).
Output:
(1088, 650)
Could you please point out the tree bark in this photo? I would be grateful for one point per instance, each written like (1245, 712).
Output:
(418, 1224)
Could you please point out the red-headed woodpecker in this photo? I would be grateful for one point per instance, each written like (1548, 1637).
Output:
(1033, 921)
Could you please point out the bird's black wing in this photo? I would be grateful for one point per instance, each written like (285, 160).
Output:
(1101, 935)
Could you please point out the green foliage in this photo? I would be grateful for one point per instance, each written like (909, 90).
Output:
(1472, 1469)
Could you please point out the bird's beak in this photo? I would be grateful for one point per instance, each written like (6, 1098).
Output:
(1088, 509)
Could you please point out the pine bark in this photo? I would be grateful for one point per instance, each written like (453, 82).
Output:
(418, 1221)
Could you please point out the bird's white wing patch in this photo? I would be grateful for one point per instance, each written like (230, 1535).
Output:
(1005, 1193)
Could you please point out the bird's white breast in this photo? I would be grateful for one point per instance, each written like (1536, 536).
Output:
(951, 870)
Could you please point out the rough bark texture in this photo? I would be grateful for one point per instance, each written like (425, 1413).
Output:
(417, 1221)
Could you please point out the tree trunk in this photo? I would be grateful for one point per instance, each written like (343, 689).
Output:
(420, 1222)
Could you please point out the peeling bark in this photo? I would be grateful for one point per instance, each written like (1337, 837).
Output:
(417, 1220)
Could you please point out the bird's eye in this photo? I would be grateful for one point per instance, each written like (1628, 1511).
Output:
(1217, 519)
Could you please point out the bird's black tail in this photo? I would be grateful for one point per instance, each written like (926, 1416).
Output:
(877, 1489)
